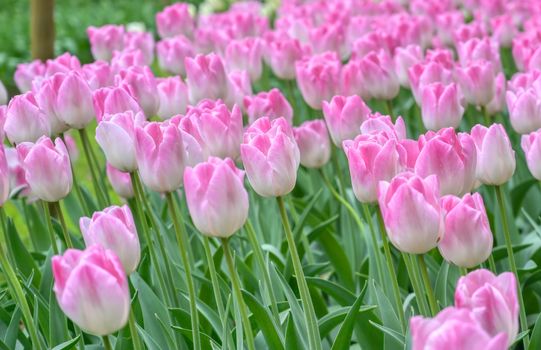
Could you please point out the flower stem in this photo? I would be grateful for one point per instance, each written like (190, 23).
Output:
(314, 339)
(214, 278)
(50, 228)
(106, 342)
(67, 237)
(414, 278)
(95, 183)
(486, 116)
(15, 286)
(136, 341)
(428, 288)
(389, 106)
(463, 271)
(238, 294)
(512, 263)
(391, 270)
(180, 232)
(78, 193)
(101, 177)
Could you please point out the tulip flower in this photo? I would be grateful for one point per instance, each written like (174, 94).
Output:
(3, 94)
(492, 300)
(114, 229)
(105, 40)
(206, 78)
(411, 212)
(24, 120)
(126, 59)
(405, 58)
(352, 81)
(241, 88)
(497, 104)
(4, 177)
(495, 155)
(245, 54)
(17, 179)
(46, 96)
(314, 144)
(344, 116)
(120, 181)
(74, 101)
(479, 50)
(64, 63)
(452, 157)
(467, 239)
(142, 41)
(216, 197)
(175, 19)
(26, 73)
(47, 168)
(441, 106)
(377, 123)
(98, 74)
(282, 53)
(195, 149)
(270, 156)
(92, 289)
(112, 101)
(379, 78)
(318, 78)
(477, 82)
(172, 52)
(524, 110)
(423, 74)
(141, 84)
(173, 95)
(531, 145)
(160, 156)
(504, 29)
(272, 104)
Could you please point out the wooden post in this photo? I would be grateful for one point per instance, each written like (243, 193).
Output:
(42, 28)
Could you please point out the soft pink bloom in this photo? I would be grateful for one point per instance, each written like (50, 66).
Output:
(452, 157)
(115, 135)
(379, 78)
(105, 40)
(245, 54)
(531, 145)
(524, 110)
(4, 177)
(503, 29)
(26, 72)
(120, 181)
(175, 19)
(373, 158)
(25, 121)
(423, 74)
(411, 211)
(453, 328)
(372, 41)
(74, 101)
(195, 150)
(492, 300)
(377, 123)
(467, 239)
(497, 104)
(173, 95)
(92, 289)
(405, 58)
(114, 229)
(216, 197)
(142, 41)
(4, 98)
(314, 144)
(441, 106)
(352, 80)
(160, 156)
(172, 53)
(206, 78)
(71, 146)
(126, 59)
(465, 32)
(3, 116)
(318, 78)
(445, 24)
(210, 40)
(241, 86)
(282, 53)
(344, 116)
(114, 100)
(477, 49)
(47, 168)
(495, 155)
(477, 82)
(272, 104)
(219, 127)
(98, 74)
(141, 84)
(271, 157)
(331, 36)
(17, 180)
(64, 63)
(46, 95)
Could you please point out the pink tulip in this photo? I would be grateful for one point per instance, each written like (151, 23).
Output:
(3, 94)
(272, 104)
(220, 128)
(173, 95)
(318, 78)
(98, 74)
(172, 52)
(314, 144)
(120, 181)
(64, 63)
(379, 78)
(495, 155)
(344, 116)
(423, 74)
(245, 54)
(477, 82)
(141, 84)
(195, 149)
(377, 123)
(445, 23)
(46, 96)
(4, 177)
(206, 78)
(451, 157)
(142, 41)
(24, 120)
(3, 116)
(160, 156)
(217, 199)
(405, 58)
(503, 29)
(92, 289)
(47, 168)
(127, 58)
(282, 53)
(26, 73)
(174, 20)
(492, 300)
(270, 156)
(476, 49)
(411, 211)
(453, 328)
(465, 32)
(497, 104)
(74, 101)
(115, 135)
(114, 100)
(524, 110)
(241, 87)
(467, 239)
(441, 106)
(352, 80)
(105, 40)
(17, 180)
(531, 145)
(114, 229)
(331, 36)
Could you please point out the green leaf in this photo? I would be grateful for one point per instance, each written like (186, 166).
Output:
(441, 289)
(500, 252)
(535, 338)
(394, 334)
(337, 292)
(343, 339)
(67, 344)
(206, 341)
(266, 323)
(23, 259)
(10, 338)
(292, 337)
(58, 327)
(388, 316)
(519, 192)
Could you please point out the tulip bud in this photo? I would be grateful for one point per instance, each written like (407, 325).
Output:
(492, 300)
(114, 229)
(141, 84)
(318, 77)
(47, 168)
(272, 104)
(270, 156)
(441, 106)
(479, 50)
(313, 141)
(74, 101)
(211, 187)
(245, 54)
(26, 73)
(495, 155)
(467, 239)
(173, 97)
(456, 174)
(46, 96)
(112, 101)
(377, 123)
(531, 145)
(524, 110)
(423, 74)
(24, 120)
(120, 181)
(175, 19)
(352, 81)
(477, 82)
(206, 78)
(92, 289)
(172, 52)
(344, 116)
(411, 212)
(160, 156)
(195, 149)
(379, 78)
(105, 40)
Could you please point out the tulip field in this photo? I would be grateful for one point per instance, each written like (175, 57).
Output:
(295, 174)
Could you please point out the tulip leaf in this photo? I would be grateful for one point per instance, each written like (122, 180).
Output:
(535, 337)
(519, 192)
(500, 252)
(206, 341)
(392, 333)
(265, 321)
(388, 317)
(23, 259)
(10, 338)
(293, 340)
(343, 338)
(58, 327)
(3, 346)
(442, 285)
(340, 294)
(70, 344)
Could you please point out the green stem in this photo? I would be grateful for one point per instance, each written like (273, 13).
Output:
(314, 339)
(136, 341)
(389, 106)
(180, 232)
(428, 288)
(391, 270)
(491, 263)
(258, 253)
(50, 228)
(419, 295)
(292, 99)
(67, 237)
(486, 116)
(337, 170)
(78, 193)
(512, 263)
(214, 278)
(238, 295)
(375, 243)
(95, 183)
(16, 288)
(106, 342)
(463, 271)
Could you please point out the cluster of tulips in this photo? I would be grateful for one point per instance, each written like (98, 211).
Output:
(192, 134)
